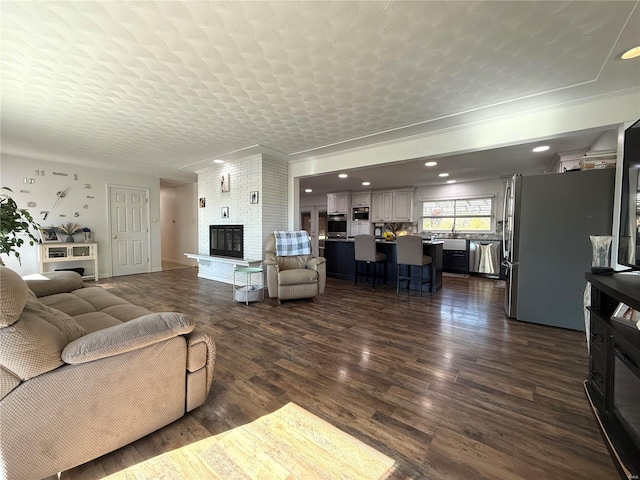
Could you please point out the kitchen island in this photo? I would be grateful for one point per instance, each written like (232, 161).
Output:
(341, 261)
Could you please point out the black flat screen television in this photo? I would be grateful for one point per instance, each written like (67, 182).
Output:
(629, 232)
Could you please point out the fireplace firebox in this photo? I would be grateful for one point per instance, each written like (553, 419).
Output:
(226, 240)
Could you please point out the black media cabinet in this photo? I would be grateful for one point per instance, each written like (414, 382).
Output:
(608, 338)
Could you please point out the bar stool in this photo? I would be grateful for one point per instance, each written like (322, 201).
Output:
(365, 251)
(409, 253)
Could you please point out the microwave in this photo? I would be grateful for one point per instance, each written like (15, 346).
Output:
(360, 214)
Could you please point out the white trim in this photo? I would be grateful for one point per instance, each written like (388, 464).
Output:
(617, 199)
(236, 262)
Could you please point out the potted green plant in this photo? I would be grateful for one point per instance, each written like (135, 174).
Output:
(15, 224)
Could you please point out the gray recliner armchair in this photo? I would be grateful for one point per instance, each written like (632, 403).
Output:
(295, 276)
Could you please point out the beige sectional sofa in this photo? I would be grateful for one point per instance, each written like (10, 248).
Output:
(84, 372)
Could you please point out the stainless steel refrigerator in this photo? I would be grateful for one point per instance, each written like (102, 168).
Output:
(546, 227)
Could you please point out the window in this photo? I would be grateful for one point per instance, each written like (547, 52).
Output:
(460, 214)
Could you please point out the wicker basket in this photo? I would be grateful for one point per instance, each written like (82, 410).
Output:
(252, 293)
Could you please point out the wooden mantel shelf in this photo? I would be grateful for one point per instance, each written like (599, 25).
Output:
(207, 259)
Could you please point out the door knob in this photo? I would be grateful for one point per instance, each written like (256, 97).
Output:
(115, 236)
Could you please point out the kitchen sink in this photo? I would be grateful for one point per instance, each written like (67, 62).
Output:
(454, 244)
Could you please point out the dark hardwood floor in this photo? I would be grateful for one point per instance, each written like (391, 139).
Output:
(444, 384)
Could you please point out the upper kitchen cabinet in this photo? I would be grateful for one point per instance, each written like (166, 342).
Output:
(381, 210)
(362, 199)
(392, 206)
(338, 203)
(402, 203)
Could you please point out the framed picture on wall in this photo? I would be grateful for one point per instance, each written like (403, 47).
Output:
(224, 182)
(225, 212)
(49, 234)
(202, 202)
(254, 197)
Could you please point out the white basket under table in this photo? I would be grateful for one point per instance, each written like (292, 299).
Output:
(248, 291)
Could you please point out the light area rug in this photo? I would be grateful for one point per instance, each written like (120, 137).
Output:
(290, 443)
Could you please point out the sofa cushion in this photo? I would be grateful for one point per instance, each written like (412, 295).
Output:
(126, 312)
(8, 381)
(60, 320)
(294, 262)
(131, 335)
(68, 303)
(43, 284)
(94, 321)
(13, 296)
(299, 276)
(99, 298)
(33, 344)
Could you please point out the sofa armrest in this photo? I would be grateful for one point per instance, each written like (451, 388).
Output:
(201, 352)
(315, 262)
(50, 283)
(128, 336)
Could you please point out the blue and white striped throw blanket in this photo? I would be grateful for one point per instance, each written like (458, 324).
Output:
(292, 243)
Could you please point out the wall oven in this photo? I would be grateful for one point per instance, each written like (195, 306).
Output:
(337, 226)
(361, 214)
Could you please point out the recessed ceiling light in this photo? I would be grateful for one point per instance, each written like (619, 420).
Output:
(217, 160)
(343, 175)
(451, 181)
(631, 53)
(430, 164)
(308, 190)
(366, 184)
(443, 175)
(541, 148)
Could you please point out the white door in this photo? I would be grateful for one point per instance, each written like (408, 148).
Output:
(129, 231)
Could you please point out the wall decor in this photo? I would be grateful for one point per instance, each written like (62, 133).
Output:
(49, 234)
(202, 202)
(225, 212)
(254, 197)
(29, 180)
(45, 214)
(224, 182)
(59, 196)
(32, 204)
(61, 174)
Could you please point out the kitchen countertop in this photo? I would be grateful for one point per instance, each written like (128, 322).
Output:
(390, 242)
(339, 253)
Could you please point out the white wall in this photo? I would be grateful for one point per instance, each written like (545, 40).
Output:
(43, 191)
(179, 223)
(259, 173)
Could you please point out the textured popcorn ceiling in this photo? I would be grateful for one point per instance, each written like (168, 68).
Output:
(172, 84)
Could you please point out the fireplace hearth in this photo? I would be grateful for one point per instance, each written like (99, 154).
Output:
(226, 241)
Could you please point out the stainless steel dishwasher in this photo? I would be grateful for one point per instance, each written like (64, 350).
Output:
(485, 257)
